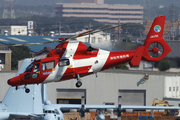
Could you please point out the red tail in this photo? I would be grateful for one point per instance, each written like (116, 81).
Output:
(155, 48)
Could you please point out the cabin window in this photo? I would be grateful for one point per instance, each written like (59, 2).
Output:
(63, 62)
(91, 49)
(27, 76)
(47, 65)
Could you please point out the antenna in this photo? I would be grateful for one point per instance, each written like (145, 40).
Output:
(8, 11)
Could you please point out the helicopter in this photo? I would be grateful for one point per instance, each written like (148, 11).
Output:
(73, 59)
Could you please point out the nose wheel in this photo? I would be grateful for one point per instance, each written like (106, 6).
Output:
(79, 83)
(27, 90)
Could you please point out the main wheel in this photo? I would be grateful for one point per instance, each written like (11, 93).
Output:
(78, 84)
(27, 90)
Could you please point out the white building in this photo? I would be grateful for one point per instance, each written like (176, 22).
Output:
(108, 14)
(13, 30)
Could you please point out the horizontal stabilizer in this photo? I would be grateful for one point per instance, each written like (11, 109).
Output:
(135, 61)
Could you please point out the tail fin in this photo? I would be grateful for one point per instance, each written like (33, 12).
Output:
(19, 100)
(155, 46)
(157, 28)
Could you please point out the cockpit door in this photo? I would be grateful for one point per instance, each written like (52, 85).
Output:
(36, 71)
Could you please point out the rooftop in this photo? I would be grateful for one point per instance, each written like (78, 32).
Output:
(18, 39)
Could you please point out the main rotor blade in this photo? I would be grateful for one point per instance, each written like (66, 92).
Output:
(76, 36)
(83, 34)
(60, 40)
(36, 43)
(86, 33)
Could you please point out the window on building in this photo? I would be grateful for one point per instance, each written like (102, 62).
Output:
(169, 88)
(99, 40)
(108, 103)
(93, 39)
(86, 39)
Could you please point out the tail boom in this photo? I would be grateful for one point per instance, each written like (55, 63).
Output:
(155, 47)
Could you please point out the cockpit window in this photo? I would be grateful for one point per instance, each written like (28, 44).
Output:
(36, 68)
(63, 62)
(47, 65)
(56, 111)
(29, 68)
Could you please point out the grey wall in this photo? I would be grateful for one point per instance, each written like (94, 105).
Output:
(105, 88)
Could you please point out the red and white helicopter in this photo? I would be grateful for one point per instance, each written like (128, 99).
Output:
(73, 59)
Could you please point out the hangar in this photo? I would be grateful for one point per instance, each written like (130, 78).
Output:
(135, 87)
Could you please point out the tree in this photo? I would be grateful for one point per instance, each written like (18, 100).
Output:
(164, 65)
(134, 29)
(122, 66)
(18, 53)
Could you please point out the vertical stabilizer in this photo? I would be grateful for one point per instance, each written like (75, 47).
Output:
(19, 100)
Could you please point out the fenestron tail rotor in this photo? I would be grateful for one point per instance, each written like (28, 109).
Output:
(155, 49)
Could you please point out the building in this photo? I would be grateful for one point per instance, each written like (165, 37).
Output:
(13, 30)
(135, 87)
(88, 1)
(108, 14)
(5, 57)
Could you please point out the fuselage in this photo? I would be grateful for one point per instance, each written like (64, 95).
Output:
(68, 60)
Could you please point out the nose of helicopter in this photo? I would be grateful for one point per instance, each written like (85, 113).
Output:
(15, 81)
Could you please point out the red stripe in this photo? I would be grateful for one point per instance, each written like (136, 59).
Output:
(81, 52)
(117, 58)
(72, 72)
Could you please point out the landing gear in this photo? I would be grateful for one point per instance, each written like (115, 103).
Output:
(27, 90)
(79, 83)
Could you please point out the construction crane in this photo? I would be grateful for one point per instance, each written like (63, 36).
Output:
(166, 112)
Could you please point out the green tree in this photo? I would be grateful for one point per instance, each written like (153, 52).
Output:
(122, 66)
(164, 65)
(134, 29)
(18, 53)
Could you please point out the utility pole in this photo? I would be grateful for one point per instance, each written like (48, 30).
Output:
(59, 28)
(119, 30)
(8, 11)
(173, 12)
(179, 26)
(89, 27)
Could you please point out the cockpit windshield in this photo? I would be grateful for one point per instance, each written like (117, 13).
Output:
(29, 68)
